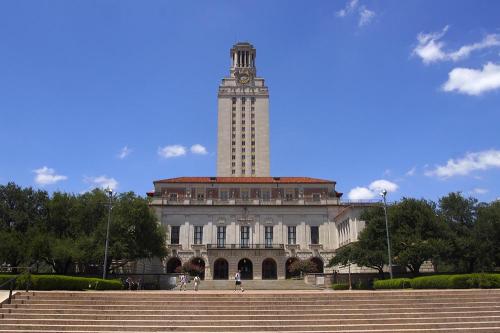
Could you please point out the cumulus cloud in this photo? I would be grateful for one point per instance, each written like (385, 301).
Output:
(172, 151)
(365, 15)
(124, 152)
(102, 182)
(373, 190)
(430, 48)
(47, 176)
(198, 149)
(473, 81)
(482, 160)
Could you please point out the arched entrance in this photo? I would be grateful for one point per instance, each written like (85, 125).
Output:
(319, 264)
(198, 265)
(246, 268)
(288, 274)
(172, 265)
(221, 269)
(269, 269)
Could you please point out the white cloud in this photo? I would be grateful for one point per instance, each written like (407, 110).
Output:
(198, 149)
(411, 172)
(473, 81)
(482, 160)
(365, 16)
(360, 193)
(103, 182)
(373, 190)
(382, 184)
(349, 8)
(124, 152)
(47, 176)
(479, 190)
(431, 49)
(172, 151)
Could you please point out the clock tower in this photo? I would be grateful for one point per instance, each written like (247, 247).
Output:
(243, 118)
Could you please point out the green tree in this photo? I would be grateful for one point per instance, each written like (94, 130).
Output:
(303, 266)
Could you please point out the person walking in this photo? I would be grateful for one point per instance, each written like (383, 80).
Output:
(183, 282)
(237, 278)
(196, 281)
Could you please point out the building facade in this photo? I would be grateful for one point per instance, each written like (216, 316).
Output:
(243, 118)
(243, 219)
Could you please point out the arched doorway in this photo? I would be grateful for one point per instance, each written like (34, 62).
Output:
(172, 265)
(319, 264)
(288, 274)
(246, 268)
(221, 269)
(198, 267)
(269, 269)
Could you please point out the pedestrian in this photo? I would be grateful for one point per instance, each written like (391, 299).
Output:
(237, 278)
(183, 281)
(196, 281)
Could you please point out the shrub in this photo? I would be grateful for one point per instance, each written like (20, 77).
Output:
(340, 286)
(62, 282)
(393, 284)
(4, 278)
(460, 281)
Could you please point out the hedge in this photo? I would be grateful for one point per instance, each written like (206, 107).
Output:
(392, 284)
(62, 282)
(458, 281)
(340, 286)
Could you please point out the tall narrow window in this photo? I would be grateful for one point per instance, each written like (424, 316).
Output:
(314, 235)
(292, 235)
(221, 236)
(268, 236)
(198, 234)
(174, 234)
(245, 236)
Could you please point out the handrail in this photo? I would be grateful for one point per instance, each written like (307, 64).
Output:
(12, 281)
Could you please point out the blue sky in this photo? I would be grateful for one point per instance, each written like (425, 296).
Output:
(403, 95)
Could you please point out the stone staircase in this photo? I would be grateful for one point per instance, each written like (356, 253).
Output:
(255, 285)
(254, 311)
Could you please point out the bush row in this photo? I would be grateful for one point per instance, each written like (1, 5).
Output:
(62, 282)
(459, 281)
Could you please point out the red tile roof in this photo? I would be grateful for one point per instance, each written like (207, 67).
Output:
(247, 180)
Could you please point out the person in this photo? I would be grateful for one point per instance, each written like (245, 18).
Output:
(183, 281)
(196, 281)
(128, 283)
(237, 278)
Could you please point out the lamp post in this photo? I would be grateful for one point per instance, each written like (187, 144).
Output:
(110, 194)
(384, 194)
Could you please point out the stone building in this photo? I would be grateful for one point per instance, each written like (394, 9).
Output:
(243, 219)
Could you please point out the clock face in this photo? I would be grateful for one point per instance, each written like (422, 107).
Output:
(244, 76)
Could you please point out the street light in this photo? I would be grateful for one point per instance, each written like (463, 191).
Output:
(384, 194)
(110, 194)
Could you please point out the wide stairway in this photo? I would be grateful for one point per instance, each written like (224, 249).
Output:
(255, 311)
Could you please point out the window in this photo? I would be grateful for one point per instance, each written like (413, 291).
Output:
(233, 172)
(253, 143)
(289, 196)
(234, 150)
(174, 234)
(253, 115)
(233, 164)
(253, 136)
(243, 171)
(253, 163)
(245, 195)
(200, 196)
(172, 196)
(234, 122)
(243, 135)
(252, 109)
(253, 171)
(252, 100)
(243, 149)
(234, 129)
(292, 235)
(243, 122)
(243, 164)
(223, 194)
(253, 122)
(266, 196)
(268, 236)
(233, 142)
(316, 197)
(234, 108)
(253, 128)
(243, 157)
(234, 100)
(243, 100)
(234, 136)
(233, 157)
(198, 234)
(242, 143)
(245, 236)
(242, 108)
(253, 151)
(314, 235)
(221, 236)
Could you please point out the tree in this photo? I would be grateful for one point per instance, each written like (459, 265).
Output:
(303, 266)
